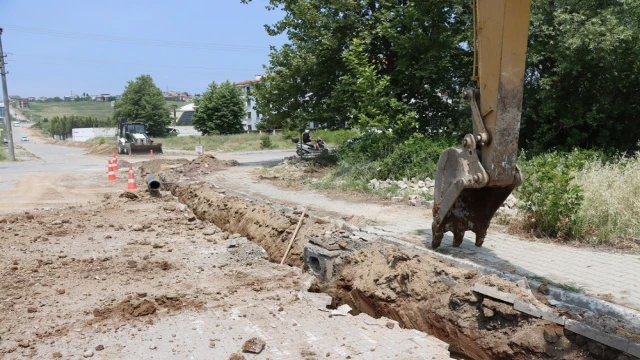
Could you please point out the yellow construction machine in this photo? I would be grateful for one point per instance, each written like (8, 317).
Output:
(474, 180)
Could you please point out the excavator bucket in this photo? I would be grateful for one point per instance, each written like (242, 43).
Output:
(145, 149)
(459, 209)
(474, 180)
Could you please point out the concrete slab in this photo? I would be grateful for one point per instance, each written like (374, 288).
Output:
(539, 312)
(613, 341)
(634, 349)
(494, 293)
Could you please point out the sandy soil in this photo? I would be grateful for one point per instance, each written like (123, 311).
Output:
(106, 274)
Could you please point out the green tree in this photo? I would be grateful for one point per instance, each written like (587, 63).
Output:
(583, 76)
(414, 47)
(143, 101)
(219, 110)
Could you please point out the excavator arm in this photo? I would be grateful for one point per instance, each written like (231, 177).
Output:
(474, 180)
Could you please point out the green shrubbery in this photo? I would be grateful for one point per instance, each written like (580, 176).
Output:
(265, 142)
(382, 156)
(337, 137)
(550, 195)
(582, 195)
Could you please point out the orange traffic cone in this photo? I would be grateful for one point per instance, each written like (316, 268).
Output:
(131, 183)
(112, 173)
(151, 154)
(115, 161)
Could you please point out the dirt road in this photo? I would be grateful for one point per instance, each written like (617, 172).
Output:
(87, 273)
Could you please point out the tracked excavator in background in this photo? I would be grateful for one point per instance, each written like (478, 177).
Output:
(474, 180)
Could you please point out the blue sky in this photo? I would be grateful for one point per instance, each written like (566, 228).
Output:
(55, 47)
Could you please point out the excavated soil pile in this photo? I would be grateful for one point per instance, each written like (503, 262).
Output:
(206, 163)
(92, 149)
(102, 149)
(157, 165)
(425, 293)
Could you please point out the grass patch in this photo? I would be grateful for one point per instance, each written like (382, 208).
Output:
(336, 137)
(38, 111)
(101, 110)
(238, 142)
(611, 199)
(4, 156)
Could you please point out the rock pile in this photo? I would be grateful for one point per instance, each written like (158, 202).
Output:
(416, 191)
(414, 185)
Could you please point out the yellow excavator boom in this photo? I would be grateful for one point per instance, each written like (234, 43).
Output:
(473, 181)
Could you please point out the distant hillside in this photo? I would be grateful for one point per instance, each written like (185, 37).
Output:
(101, 110)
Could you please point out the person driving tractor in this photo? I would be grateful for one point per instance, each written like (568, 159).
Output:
(306, 139)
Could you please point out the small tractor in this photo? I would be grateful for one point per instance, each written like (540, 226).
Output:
(133, 138)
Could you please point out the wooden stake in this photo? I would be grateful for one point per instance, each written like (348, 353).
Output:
(293, 237)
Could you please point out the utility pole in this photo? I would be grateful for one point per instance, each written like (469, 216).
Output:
(7, 110)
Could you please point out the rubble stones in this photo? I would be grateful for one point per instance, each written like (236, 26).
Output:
(417, 187)
(88, 354)
(253, 345)
(237, 356)
(209, 232)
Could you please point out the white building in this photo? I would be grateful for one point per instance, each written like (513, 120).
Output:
(184, 114)
(252, 117)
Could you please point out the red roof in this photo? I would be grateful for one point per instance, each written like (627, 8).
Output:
(246, 82)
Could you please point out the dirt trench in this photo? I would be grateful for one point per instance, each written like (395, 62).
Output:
(416, 289)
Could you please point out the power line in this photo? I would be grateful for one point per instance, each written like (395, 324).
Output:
(138, 41)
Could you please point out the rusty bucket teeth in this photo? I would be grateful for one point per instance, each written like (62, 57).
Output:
(458, 209)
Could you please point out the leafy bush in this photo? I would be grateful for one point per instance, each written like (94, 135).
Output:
(265, 142)
(337, 137)
(382, 156)
(288, 134)
(102, 141)
(549, 194)
(611, 204)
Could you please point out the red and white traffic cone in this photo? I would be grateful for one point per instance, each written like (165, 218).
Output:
(151, 154)
(115, 161)
(112, 173)
(131, 182)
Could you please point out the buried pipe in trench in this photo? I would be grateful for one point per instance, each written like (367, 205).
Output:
(153, 184)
